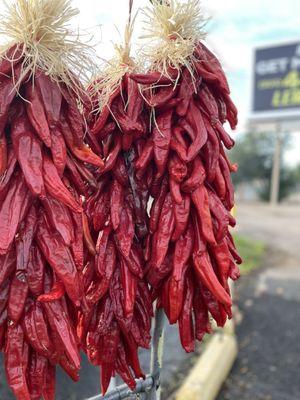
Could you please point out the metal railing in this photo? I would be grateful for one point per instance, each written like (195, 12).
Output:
(149, 388)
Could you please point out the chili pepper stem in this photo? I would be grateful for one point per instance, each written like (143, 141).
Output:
(113, 72)
(44, 40)
(173, 29)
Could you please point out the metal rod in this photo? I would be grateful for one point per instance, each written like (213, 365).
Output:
(122, 392)
(157, 354)
(112, 384)
(150, 387)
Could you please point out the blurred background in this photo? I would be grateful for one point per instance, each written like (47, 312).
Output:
(267, 315)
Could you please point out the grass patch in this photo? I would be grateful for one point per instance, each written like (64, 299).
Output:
(251, 251)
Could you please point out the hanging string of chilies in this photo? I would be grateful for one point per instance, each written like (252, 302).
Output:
(119, 321)
(43, 173)
(192, 253)
(103, 216)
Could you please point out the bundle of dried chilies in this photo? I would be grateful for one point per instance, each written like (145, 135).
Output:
(102, 216)
(42, 178)
(119, 320)
(192, 254)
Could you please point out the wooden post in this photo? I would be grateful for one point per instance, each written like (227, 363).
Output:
(275, 178)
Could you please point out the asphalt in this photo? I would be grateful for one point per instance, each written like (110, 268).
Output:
(267, 367)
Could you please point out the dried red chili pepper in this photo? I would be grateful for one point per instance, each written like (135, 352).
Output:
(125, 232)
(98, 289)
(11, 212)
(7, 265)
(60, 219)
(87, 235)
(129, 283)
(36, 114)
(116, 203)
(164, 232)
(55, 186)
(161, 140)
(73, 116)
(35, 271)
(220, 213)
(74, 175)
(59, 323)
(59, 151)
(196, 177)
(8, 92)
(59, 257)
(17, 297)
(175, 191)
(5, 286)
(3, 154)
(5, 179)
(186, 324)
(182, 253)
(195, 119)
(160, 96)
(111, 158)
(200, 200)
(157, 206)
(36, 375)
(181, 214)
(14, 362)
(144, 159)
(202, 323)
(56, 293)
(204, 269)
(102, 118)
(42, 328)
(155, 77)
(29, 154)
(51, 97)
(185, 94)
(101, 247)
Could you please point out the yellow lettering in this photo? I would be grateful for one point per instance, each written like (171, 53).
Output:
(286, 98)
(276, 99)
(269, 84)
(291, 80)
(295, 97)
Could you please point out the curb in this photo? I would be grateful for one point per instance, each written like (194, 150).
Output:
(212, 368)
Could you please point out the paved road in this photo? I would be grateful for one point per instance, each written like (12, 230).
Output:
(278, 226)
(268, 364)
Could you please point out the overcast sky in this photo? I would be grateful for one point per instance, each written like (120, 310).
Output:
(234, 29)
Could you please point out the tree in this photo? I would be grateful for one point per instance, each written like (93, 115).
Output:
(254, 155)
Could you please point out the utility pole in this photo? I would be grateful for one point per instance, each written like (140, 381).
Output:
(275, 178)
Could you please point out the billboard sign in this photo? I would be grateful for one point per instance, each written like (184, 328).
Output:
(276, 82)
